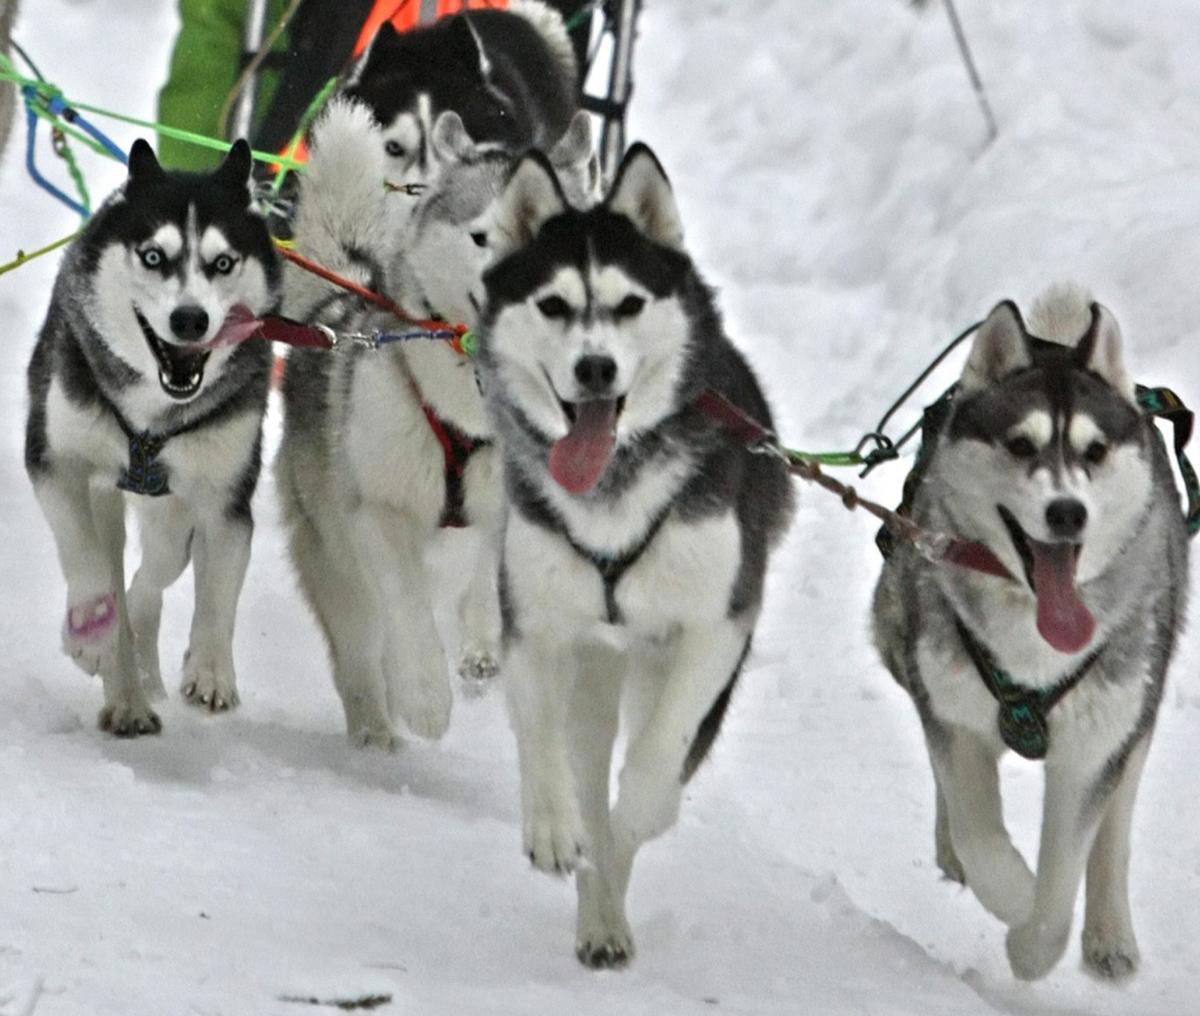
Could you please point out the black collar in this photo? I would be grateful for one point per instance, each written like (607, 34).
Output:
(1023, 711)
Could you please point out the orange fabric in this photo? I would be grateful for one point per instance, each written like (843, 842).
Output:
(406, 14)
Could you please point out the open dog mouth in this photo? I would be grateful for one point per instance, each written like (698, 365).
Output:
(1063, 619)
(180, 368)
(578, 461)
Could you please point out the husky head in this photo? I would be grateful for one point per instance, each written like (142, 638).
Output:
(170, 257)
(592, 317)
(1046, 455)
(409, 78)
(450, 240)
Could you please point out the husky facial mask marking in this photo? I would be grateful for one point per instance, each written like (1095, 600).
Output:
(175, 274)
(602, 361)
(1071, 476)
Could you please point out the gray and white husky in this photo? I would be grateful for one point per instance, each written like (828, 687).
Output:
(636, 541)
(1046, 460)
(382, 446)
(139, 383)
(511, 74)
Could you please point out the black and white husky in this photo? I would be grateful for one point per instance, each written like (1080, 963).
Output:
(381, 447)
(510, 74)
(139, 384)
(637, 534)
(1045, 460)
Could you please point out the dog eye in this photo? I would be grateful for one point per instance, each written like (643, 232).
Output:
(224, 264)
(554, 307)
(629, 307)
(152, 257)
(1021, 448)
(479, 239)
(1095, 453)
(394, 149)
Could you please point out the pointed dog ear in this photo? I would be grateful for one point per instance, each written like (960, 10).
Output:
(143, 165)
(531, 197)
(1001, 346)
(233, 174)
(451, 141)
(642, 193)
(574, 159)
(1100, 351)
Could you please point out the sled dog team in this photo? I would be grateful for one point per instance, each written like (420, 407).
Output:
(622, 532)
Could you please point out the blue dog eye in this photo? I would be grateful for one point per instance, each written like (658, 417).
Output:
(152, 257)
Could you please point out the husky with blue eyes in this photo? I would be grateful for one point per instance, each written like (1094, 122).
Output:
(140, 383)
(638, 528)
(1059, 649)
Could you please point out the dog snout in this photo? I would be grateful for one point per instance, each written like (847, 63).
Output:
(1066, 517)
(596, 374)
(189, 323)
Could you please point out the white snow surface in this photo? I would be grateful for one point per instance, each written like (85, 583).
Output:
(836, 185)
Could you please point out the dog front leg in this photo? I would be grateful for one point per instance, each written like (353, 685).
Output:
(539, 676)
(390, 545)
(1109, 945)
(220, 555)
(1070, 816)
(89, 534)
(165, 525)
(703, 662)
(602, 938)
(479, 618)
(968, 780)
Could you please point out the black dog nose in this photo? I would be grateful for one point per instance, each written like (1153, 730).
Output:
(1066, 517)
(189, 323)
(596, 373)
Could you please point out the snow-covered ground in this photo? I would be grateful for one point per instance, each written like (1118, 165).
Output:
(832, 169)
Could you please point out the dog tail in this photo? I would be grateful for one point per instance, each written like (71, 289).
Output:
(550, 26)
(340, 218)
(1062, 313)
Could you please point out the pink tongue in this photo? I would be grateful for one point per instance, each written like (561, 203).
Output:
(1062, 618)
(578, 460)
(240, 323)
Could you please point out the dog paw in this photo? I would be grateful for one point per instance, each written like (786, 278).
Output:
(1110, 957)
(209, 686)
(1033, 950)
(604, 948)
(424, 701)
(478, 669)
(130, 719)
(90, 633)
(605, 954)
(382, 738)
(554, 838)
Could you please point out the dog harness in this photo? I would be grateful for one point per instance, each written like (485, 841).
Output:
(1023, 711)
(145, 474)
(457, 449)
(613, 569)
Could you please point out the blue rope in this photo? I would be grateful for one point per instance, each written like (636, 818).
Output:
(31, 119)
(58, 107)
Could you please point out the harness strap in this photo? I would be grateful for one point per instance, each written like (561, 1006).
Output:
(457, 449)
(1023, 711)
(145, 474)
(1165, 404)
(613, 569)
